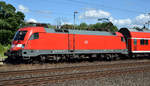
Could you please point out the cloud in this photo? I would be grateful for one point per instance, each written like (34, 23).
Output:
(124, 21)
(94, 14)
(136, 25)
(68, 23)
(121, 22)
(23, 8)
(142, 19)
(137, 21)
(32, 20)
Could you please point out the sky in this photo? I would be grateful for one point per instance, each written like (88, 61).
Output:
(122, 13)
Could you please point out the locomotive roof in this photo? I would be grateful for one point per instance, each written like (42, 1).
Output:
(140, 30)
(50, 30)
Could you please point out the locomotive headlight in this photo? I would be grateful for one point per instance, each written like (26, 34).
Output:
(20, 45)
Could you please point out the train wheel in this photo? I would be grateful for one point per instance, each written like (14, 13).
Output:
(109, 57)
(36, 62)
(10, 60)
(7, 60)
(28, 61)
(133, 56)
(42, 59)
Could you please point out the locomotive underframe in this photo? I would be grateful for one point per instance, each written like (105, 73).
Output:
(43, 55)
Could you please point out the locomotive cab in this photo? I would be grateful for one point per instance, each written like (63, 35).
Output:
(18, 41)
(21, 42)
(18, 45)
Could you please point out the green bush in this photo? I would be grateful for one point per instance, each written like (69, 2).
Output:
(3, 49)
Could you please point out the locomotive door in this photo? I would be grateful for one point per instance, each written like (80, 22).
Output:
(33, 42)
(71, 42)
(135, 45)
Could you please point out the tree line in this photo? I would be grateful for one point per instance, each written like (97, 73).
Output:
(11, 20)
(105, 26)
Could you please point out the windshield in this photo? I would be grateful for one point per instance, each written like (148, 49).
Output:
(20, 35)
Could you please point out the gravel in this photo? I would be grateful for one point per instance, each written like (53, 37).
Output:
(138, 79)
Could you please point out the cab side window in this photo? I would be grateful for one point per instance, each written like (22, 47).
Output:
(34, 36)
(122, 39)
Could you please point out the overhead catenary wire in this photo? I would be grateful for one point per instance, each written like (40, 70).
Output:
(105, 6)
(77, 3)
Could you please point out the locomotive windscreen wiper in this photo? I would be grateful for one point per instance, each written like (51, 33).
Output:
(20, 35)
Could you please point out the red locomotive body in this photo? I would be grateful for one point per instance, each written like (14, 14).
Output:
(137, 40)
(99, 42)
(38, 41)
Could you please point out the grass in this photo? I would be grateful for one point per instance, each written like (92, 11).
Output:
(3, 49)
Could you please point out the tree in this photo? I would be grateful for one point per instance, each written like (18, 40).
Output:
(5, 36)
(67, 26)
(10, 21)
(106, 26)
(83, 26)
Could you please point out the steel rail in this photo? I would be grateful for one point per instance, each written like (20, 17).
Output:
(10, 75)
(75, 76)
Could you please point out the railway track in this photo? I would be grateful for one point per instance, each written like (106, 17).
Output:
(53, 75)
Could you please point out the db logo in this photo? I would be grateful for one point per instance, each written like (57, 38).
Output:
(86, 42)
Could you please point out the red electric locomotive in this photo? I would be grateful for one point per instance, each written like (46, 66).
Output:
(45, 43)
